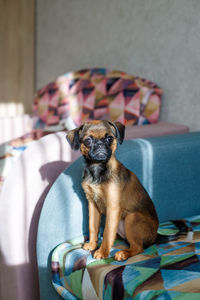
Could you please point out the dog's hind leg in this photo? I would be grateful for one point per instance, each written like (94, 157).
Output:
(140, 230)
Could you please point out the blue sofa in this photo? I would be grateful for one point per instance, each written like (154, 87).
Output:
(169, 169)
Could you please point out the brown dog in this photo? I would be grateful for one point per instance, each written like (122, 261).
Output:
(113, 190)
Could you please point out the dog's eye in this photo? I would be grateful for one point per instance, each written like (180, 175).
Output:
(88, 142)
(109, 139)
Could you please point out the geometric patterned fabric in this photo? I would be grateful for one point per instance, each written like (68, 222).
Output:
(165, 270)
(98, 94)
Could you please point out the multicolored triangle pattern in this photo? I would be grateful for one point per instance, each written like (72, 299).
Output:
(167, 270)
(82, 95)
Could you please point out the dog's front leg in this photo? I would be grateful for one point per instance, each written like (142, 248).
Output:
(112, 222)
(94, 224)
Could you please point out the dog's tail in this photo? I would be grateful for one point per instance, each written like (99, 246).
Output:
(182, 227)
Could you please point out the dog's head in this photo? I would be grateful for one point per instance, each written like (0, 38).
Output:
(97, 140)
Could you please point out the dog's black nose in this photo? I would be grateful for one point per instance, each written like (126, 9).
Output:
(100, 145)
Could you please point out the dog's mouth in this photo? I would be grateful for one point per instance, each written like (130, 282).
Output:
(100, 155)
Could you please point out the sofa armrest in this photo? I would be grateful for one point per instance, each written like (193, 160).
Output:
(21, 198)
(13, 127)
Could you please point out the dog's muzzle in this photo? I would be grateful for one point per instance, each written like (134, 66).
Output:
(100, 152)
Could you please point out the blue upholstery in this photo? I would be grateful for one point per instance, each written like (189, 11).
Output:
(168, 167)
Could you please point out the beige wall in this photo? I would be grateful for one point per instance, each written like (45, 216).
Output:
(16, 56)
(156, 39)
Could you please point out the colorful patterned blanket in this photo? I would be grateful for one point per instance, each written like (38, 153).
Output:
(84, 95)
(98, 93)
(165, 270)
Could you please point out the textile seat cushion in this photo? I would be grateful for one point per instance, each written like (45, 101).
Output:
(169, 269)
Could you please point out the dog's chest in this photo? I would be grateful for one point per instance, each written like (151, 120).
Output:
(96, 193)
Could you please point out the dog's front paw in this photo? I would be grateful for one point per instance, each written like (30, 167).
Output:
(122, 255)
(125, 254)
(100, 254)
(90, 246)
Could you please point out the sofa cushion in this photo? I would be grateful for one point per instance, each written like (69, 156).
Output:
(167, 269)
(98, 94)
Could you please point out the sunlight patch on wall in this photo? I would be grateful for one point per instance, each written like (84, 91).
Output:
(14, 126)
(11, 109)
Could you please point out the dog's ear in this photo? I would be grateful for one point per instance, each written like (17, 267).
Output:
(120, 131)
(73, 138)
